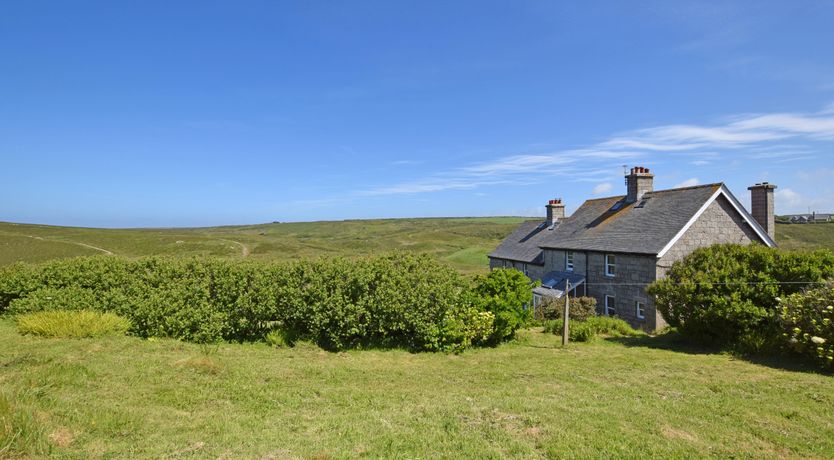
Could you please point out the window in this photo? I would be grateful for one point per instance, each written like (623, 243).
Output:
(641, 310)
(537, 300)
(610, 265)
(569, 261)
(526, 273)
(507, 263)
(610, 305)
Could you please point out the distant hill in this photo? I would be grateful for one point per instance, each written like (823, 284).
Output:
(805, 236)
(463, 242)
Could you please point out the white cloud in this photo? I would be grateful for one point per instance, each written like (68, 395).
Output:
(789, 201)
(605, 187)
(688, 183)
(776, 137)
(788, 198)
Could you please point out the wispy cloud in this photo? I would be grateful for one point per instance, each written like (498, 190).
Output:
(777, 137)
(406, 162)
(604, 187)
(688, 183)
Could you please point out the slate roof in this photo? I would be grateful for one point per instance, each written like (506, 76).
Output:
(523, 244)
(557, 279)
(553, 283)
(643, 227)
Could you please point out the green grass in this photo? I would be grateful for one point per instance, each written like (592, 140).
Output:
(805, 236)
(121, 397)
(72, 324)
(463, 242)
(20, 434)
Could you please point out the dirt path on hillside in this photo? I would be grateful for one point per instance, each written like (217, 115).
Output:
(89, 246)
(244, 249)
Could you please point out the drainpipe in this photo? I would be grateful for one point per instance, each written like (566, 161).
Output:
(586, 273)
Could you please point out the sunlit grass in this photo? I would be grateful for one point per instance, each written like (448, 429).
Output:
(71, 324)
(122, 397)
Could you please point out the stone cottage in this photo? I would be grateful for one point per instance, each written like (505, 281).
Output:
(613, 248)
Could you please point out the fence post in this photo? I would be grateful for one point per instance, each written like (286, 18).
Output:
(566, 315)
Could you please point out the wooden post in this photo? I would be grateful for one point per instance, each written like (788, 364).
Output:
(566, 315)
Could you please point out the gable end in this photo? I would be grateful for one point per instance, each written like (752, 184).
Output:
(721, 219)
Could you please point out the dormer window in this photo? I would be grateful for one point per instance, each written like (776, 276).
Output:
(569, 261)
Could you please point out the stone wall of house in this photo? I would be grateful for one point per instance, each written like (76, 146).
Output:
(720, 223)
(554, 260)
(633, 273)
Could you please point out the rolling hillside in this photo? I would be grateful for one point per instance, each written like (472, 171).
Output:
(805, 236)
(463, 242)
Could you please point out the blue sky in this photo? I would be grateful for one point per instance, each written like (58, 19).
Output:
(203, 113)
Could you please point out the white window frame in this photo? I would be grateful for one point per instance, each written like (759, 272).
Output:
(610, 268)
(569, 261)
(609, 300)
(638, 307)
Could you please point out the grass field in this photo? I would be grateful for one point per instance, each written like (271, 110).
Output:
(805, 236)
(463, 242)
(637, 398)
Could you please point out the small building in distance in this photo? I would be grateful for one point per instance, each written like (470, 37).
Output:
(813, 218)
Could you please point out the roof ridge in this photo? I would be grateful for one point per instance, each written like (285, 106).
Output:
(714, 184)
(605, 198)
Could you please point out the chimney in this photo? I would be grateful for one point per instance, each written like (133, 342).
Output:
(761, 206)
(640, 181)
(555, 211)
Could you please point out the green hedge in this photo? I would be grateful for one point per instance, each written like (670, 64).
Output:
(808, 322)
(397, 300)
(726, 294)
(505, 293)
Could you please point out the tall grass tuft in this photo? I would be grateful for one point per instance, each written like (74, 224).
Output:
(585, 331)
(72, 324)
(20, 434)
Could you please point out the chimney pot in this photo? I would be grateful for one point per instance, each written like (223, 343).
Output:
(555, 211)
(638, 183)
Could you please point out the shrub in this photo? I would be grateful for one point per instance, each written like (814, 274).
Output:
(466, 326)
(808, 323)
(72, 324)
(585, 331)
(505, 293)
(616, 327)
(724, 293)
(280, 338)
(396, 300)
(581, 308)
